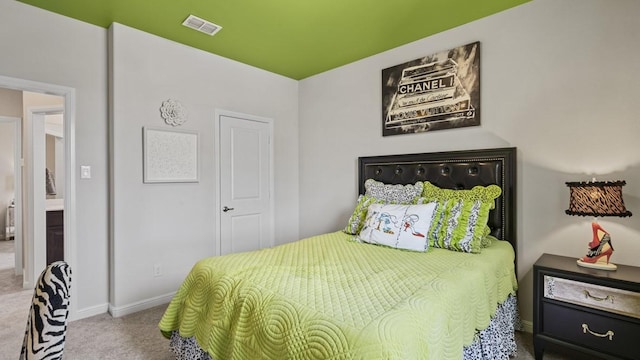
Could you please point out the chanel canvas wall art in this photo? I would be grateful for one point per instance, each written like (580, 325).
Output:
(438, 91)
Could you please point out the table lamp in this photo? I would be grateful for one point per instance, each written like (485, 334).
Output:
(597, 198)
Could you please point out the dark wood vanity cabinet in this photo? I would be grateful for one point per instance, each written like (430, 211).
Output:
(55, 236)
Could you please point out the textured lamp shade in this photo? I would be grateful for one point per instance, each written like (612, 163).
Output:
(597, 198)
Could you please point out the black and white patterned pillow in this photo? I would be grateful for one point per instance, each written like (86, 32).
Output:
(393, 194)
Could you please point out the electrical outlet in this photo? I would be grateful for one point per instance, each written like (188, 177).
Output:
(157, 270)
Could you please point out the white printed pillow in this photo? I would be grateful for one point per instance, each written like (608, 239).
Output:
(399, 226)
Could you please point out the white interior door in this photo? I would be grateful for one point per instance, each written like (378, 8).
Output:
(246, 183)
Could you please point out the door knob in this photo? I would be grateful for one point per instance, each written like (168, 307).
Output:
(225, 209)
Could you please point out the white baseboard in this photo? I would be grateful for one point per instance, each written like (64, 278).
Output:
(527, 326)
(117, 311)
(122, 310)
(90, 311)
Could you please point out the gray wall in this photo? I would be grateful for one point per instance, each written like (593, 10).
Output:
(174, 224)
(558, 81)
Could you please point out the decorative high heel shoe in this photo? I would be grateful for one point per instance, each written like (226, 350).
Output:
(595, 240)
(600, 250)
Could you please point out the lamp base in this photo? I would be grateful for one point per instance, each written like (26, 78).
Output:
(600, 250)
(597, 265)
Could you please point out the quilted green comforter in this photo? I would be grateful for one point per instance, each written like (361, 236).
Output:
(329, 297)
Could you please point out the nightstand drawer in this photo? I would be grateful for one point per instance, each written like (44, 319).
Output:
(594, 296)
(614, 336)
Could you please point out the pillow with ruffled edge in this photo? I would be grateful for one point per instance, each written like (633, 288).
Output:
(394, 194)
(356, 220)
(377, 192)
(460, 222)
(488, 240)
(398, 226)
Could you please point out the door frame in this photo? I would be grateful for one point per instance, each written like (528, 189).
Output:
(216, 158)
(69, 95)
(17, 176)
(36, 202)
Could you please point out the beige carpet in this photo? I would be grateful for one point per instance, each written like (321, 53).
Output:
(15, 304)
(103, 337)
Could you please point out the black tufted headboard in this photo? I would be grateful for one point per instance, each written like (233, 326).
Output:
(454, 170)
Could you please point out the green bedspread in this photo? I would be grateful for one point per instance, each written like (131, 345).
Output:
(329, 297)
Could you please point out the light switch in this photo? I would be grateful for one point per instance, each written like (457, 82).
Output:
(85, 172)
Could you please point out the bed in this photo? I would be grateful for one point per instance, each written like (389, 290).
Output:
(334, 296)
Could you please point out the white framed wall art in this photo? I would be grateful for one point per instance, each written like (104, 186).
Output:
(169, 155)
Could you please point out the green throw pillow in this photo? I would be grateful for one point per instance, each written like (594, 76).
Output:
(460, 220)
(356, 221)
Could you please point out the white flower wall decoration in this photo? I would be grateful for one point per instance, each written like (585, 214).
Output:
(173, 112)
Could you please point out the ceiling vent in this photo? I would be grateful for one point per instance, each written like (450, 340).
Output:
(201, 25)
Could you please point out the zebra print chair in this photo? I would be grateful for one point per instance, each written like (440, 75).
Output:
(47, 322)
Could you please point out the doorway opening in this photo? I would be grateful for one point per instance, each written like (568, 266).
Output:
(10, 204)
(51, 107)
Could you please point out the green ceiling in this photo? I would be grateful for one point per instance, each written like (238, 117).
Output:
(294, 38)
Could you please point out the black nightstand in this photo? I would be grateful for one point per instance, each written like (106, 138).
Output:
(593, 311)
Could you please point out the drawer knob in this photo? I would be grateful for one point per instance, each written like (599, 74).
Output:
(589, 296)
(585, 329)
